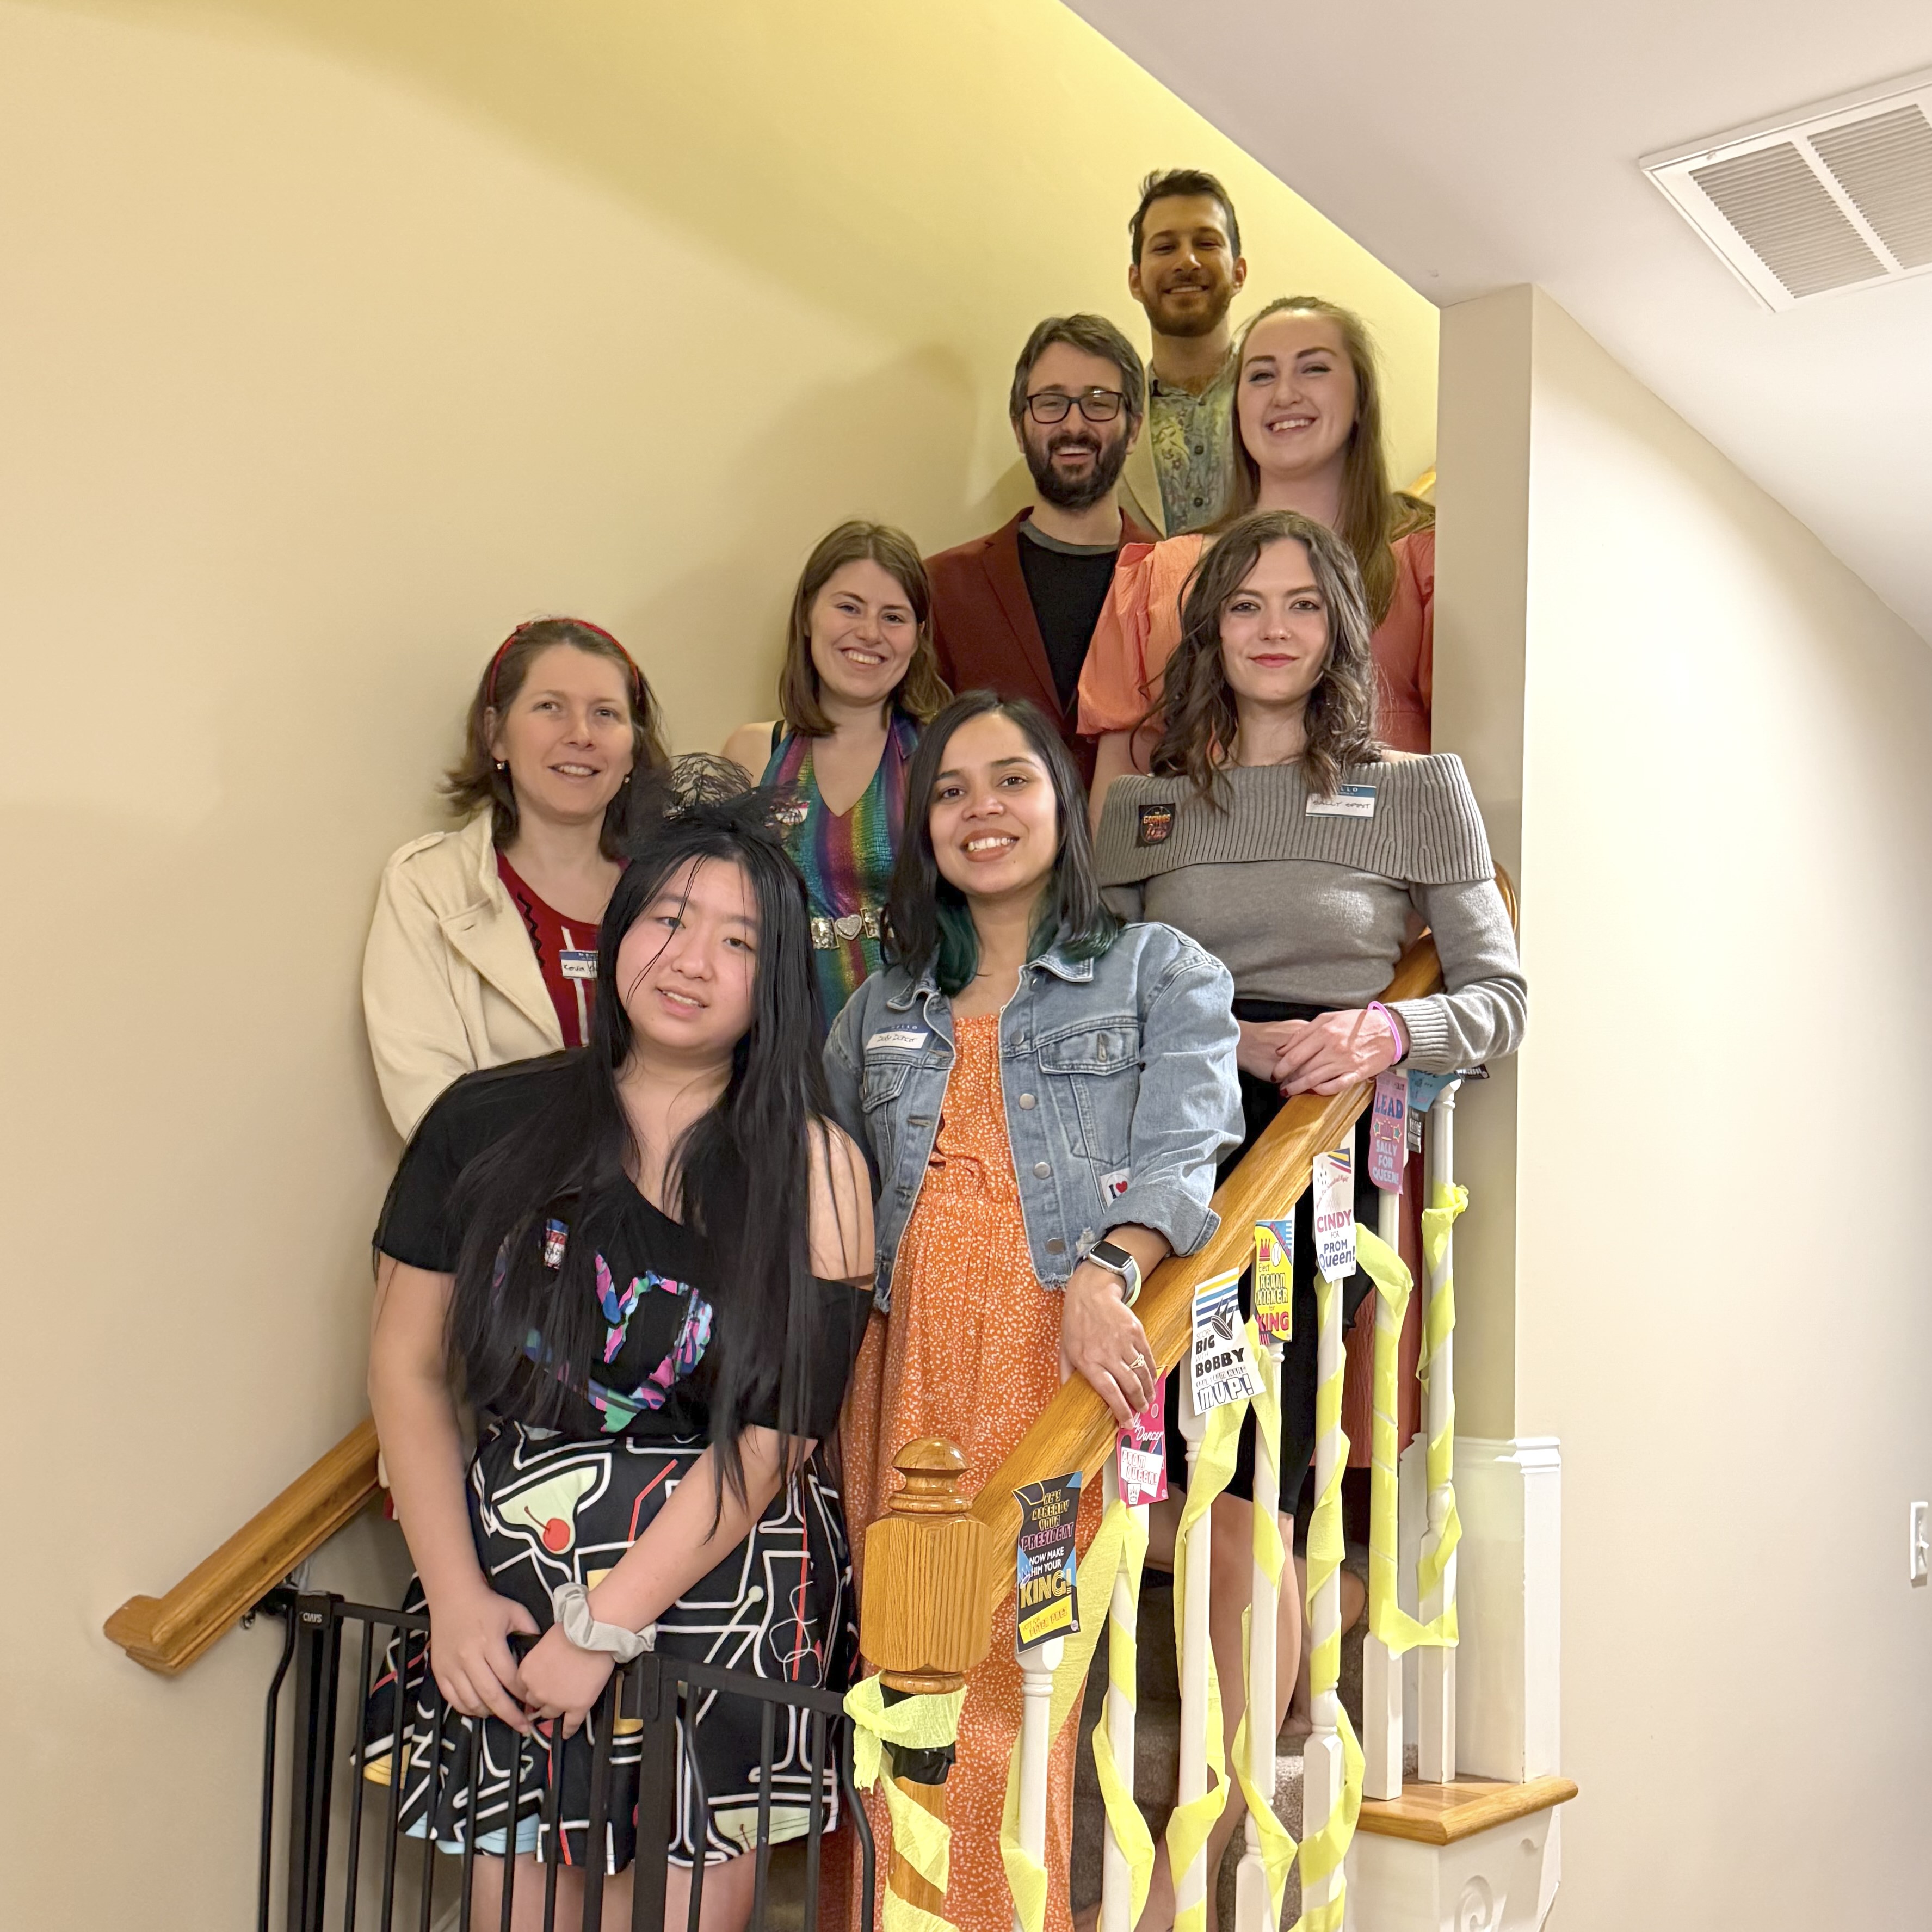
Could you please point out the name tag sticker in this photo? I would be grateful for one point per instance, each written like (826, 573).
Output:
(1349, 801)
(1334, 1184)
(1220, 1367)
(1154, 824)
(1274, 1278)
(578, 965)
(907, 1040)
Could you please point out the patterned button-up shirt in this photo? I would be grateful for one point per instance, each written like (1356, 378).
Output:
(1191, 437)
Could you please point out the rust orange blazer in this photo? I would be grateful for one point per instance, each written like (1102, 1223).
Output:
(985, 633)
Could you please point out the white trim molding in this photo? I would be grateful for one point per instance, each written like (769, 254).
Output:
(1502, 1877)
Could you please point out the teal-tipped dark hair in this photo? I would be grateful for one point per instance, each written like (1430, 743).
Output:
(928, 922)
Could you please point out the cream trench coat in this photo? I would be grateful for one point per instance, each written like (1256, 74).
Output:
(450, 982)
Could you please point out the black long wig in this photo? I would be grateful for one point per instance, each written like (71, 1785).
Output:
(739, 1179)
(927, 922)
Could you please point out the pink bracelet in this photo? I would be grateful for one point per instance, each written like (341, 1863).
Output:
(1395, 1031)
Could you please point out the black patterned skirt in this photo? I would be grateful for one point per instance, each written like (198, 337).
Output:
(546, 1510)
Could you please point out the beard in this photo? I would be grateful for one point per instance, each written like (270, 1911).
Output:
(1188, 322)
(1110, 458)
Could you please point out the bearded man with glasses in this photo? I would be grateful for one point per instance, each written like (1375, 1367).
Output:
(1014, 612)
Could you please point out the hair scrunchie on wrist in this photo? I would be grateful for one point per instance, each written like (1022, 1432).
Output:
(570, 1604)
(1395, 1031)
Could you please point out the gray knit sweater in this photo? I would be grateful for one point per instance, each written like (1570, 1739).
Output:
(1315, 908)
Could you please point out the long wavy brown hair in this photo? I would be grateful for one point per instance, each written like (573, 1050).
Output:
(1371, 511)
(922, 693)
(1198, 719)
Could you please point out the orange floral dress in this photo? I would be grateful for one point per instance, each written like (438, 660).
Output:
(971, 1352)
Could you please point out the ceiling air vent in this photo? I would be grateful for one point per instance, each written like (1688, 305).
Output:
(1834, 196)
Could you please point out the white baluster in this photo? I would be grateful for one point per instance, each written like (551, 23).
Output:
(1036, 1669)
(1253, 1911)
(1116, 1902)
(1322, 1765)
(1190, 1887)
(1381, 1674)
(1435, 1695)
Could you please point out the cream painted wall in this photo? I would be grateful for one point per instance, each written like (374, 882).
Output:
(337, 338)
(1725, 780)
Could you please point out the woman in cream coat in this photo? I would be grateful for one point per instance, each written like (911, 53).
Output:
(483, 946)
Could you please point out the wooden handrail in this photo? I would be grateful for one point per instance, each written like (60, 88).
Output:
(167, 1633)
(1076, 1430)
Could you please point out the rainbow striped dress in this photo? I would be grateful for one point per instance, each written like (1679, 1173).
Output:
(847, 863)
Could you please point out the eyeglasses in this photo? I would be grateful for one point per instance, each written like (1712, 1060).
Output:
(1051, 406)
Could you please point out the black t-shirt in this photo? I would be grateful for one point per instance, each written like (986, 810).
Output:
(663, 1324)
(1067, 587)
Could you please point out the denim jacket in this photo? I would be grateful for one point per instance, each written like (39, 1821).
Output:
(1118, 1077)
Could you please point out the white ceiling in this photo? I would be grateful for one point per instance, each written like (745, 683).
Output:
(1479, 145)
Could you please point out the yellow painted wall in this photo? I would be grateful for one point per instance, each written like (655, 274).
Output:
(1708, 747)
(337, 335)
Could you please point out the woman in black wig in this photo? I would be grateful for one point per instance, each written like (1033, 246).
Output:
(640, 1262)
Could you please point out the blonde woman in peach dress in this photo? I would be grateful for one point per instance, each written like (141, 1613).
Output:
(1044, 1094)
(1308, 419)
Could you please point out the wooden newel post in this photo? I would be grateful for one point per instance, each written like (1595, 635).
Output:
(924, 1619)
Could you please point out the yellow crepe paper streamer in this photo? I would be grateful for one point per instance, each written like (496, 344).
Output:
(1189, 1825)
(1438, 1326)
(929, 1722)
(1323, 1851)
(1026, 1876)
(1398, 1631)
(1124, 1815)
(1277, 1846)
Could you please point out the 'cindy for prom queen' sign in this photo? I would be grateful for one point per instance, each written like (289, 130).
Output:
(1334, 1184)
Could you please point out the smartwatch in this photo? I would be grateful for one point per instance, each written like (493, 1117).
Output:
(1116, 1260)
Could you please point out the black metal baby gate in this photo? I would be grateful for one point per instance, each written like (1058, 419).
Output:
(660, 1694)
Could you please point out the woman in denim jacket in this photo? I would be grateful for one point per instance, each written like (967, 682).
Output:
(1044, 1094)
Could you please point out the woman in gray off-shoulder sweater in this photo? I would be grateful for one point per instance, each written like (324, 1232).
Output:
(1277, 833)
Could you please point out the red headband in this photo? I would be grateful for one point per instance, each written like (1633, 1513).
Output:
(580, 623)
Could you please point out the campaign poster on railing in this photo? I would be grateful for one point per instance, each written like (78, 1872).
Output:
(1220, 1369)
(1140, 1451)
(1046, 1603)
(1274, 1278)
(1388, 1131)
(1334, 1185)
(1423, 1088)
